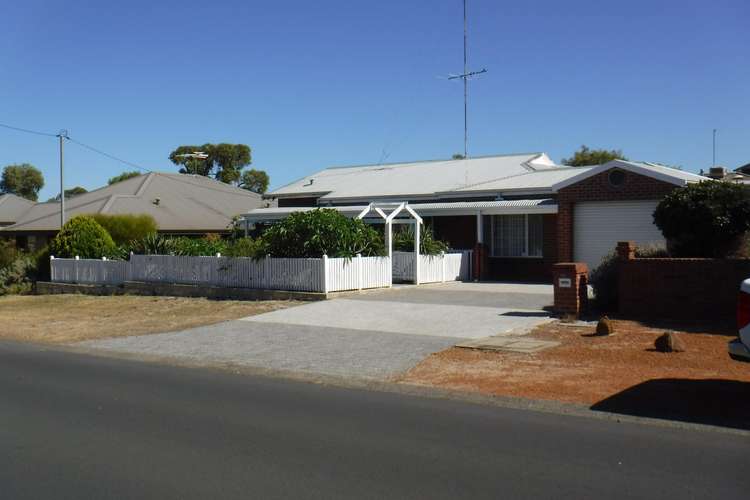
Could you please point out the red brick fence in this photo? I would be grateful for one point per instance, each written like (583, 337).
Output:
(666, 288)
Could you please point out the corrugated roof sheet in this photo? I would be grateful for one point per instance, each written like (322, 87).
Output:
(538, 181)
(178, 202)
(427, 209)
(411, 179)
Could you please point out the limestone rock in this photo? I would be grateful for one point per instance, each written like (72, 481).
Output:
(605, 327)
(669, 342)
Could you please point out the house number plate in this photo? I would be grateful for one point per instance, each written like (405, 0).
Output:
(564, 283)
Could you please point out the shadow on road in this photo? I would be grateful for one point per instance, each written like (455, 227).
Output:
(719, 402)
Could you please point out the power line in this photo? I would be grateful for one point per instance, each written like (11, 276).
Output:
(28, 131)
(98, 151)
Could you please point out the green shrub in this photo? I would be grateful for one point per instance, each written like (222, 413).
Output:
(17, 277)
(322, 231)
(198, 246)
(126, 227)
(707, 219)
(651, 251)
(247, 247)
(156, 244)
(8, 252)
(82, 236)
(151, 244)
(604, 280)
(403, 241)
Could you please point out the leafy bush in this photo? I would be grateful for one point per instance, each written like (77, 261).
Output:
(207, 245)
(126, 227)
(403, 241)
(247, 247)
(707, 219)
(82, 236)
(322, 231)
(151, 244)
(651, 251)
(8, 252)
(17, 277)
(604, 280)
(156, 244)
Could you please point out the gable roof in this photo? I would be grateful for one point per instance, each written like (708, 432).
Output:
(178, 202)
(415, 179)
(538, 181)
(13, 207)
(653, 170)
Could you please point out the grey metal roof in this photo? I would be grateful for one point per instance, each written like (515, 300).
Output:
(410, 180)
(13, 207)
(177, 202)
(540, 181)
(425, 209)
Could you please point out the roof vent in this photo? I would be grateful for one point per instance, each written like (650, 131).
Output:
(310, 182)
(156, 201)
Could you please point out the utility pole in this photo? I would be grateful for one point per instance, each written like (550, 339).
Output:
(62, 136)
(465, 77)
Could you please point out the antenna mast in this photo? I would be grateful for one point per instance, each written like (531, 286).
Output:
(465, 77)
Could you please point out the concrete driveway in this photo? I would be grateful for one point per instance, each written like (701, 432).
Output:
(377, 334)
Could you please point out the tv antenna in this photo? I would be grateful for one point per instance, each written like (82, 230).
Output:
(465, 77)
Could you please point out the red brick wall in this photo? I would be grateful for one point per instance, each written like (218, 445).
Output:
(695, 289)
(598, 188)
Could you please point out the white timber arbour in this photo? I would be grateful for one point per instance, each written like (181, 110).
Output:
(390, 219)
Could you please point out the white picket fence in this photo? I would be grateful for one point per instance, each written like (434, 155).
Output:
(452, 266)
(308, 275)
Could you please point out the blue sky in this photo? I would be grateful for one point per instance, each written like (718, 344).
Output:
(313, 84)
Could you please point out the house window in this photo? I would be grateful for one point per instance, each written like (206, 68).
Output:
(517, 235)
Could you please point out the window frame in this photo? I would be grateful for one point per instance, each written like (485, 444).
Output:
(526, 239)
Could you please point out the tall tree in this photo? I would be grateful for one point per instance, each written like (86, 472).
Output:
(70, 193)
(586, 156)
(24, 180)
(255, 181)
(223, 161)
(123, 177)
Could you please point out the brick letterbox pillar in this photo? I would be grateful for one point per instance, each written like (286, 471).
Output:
(479, 265)
(571, 292)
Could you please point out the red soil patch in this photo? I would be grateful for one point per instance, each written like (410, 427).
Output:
(584, 368)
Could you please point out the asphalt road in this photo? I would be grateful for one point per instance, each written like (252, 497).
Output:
(77, 426)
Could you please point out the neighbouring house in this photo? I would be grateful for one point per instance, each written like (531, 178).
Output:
(522, 212)
(181, 204)
(12, 208)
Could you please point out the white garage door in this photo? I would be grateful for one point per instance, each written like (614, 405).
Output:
(598, 226)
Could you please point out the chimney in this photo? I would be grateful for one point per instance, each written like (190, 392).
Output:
(717, 172)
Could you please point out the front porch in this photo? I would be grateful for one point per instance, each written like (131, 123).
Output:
(509, 240)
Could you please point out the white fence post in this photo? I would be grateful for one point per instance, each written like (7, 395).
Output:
(324, 260)
(359, 271)
(442, 264)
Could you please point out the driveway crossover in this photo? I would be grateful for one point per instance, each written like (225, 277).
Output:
(377, 334)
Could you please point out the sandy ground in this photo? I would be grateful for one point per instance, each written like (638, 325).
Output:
(588, 369)
(60, 319)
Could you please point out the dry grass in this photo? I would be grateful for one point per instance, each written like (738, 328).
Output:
(59, 319)
(583, 368)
